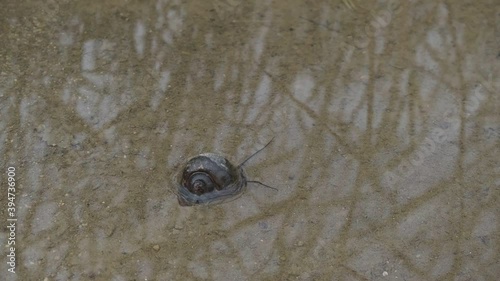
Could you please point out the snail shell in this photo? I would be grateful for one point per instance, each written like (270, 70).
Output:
(209, 178)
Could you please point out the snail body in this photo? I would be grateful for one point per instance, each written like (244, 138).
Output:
(209, 178)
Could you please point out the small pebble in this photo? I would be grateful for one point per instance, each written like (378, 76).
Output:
(156, 247)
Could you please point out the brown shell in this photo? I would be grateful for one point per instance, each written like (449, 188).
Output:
(209, 178)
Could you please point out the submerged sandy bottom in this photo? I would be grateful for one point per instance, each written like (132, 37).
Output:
(386, 151)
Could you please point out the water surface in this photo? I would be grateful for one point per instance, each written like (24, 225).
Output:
(386, 151)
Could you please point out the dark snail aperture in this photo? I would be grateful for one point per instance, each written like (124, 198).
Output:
(210, 178)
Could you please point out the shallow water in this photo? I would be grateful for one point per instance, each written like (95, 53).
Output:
(386, 151)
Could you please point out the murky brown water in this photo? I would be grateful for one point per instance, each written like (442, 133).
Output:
(386, 151)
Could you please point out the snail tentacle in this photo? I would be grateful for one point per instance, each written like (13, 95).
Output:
(248, 158)
(258, 182)
(211, 179)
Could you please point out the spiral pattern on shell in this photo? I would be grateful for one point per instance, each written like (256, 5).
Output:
(209, 179)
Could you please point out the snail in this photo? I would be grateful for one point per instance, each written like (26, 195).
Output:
(210, 178)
